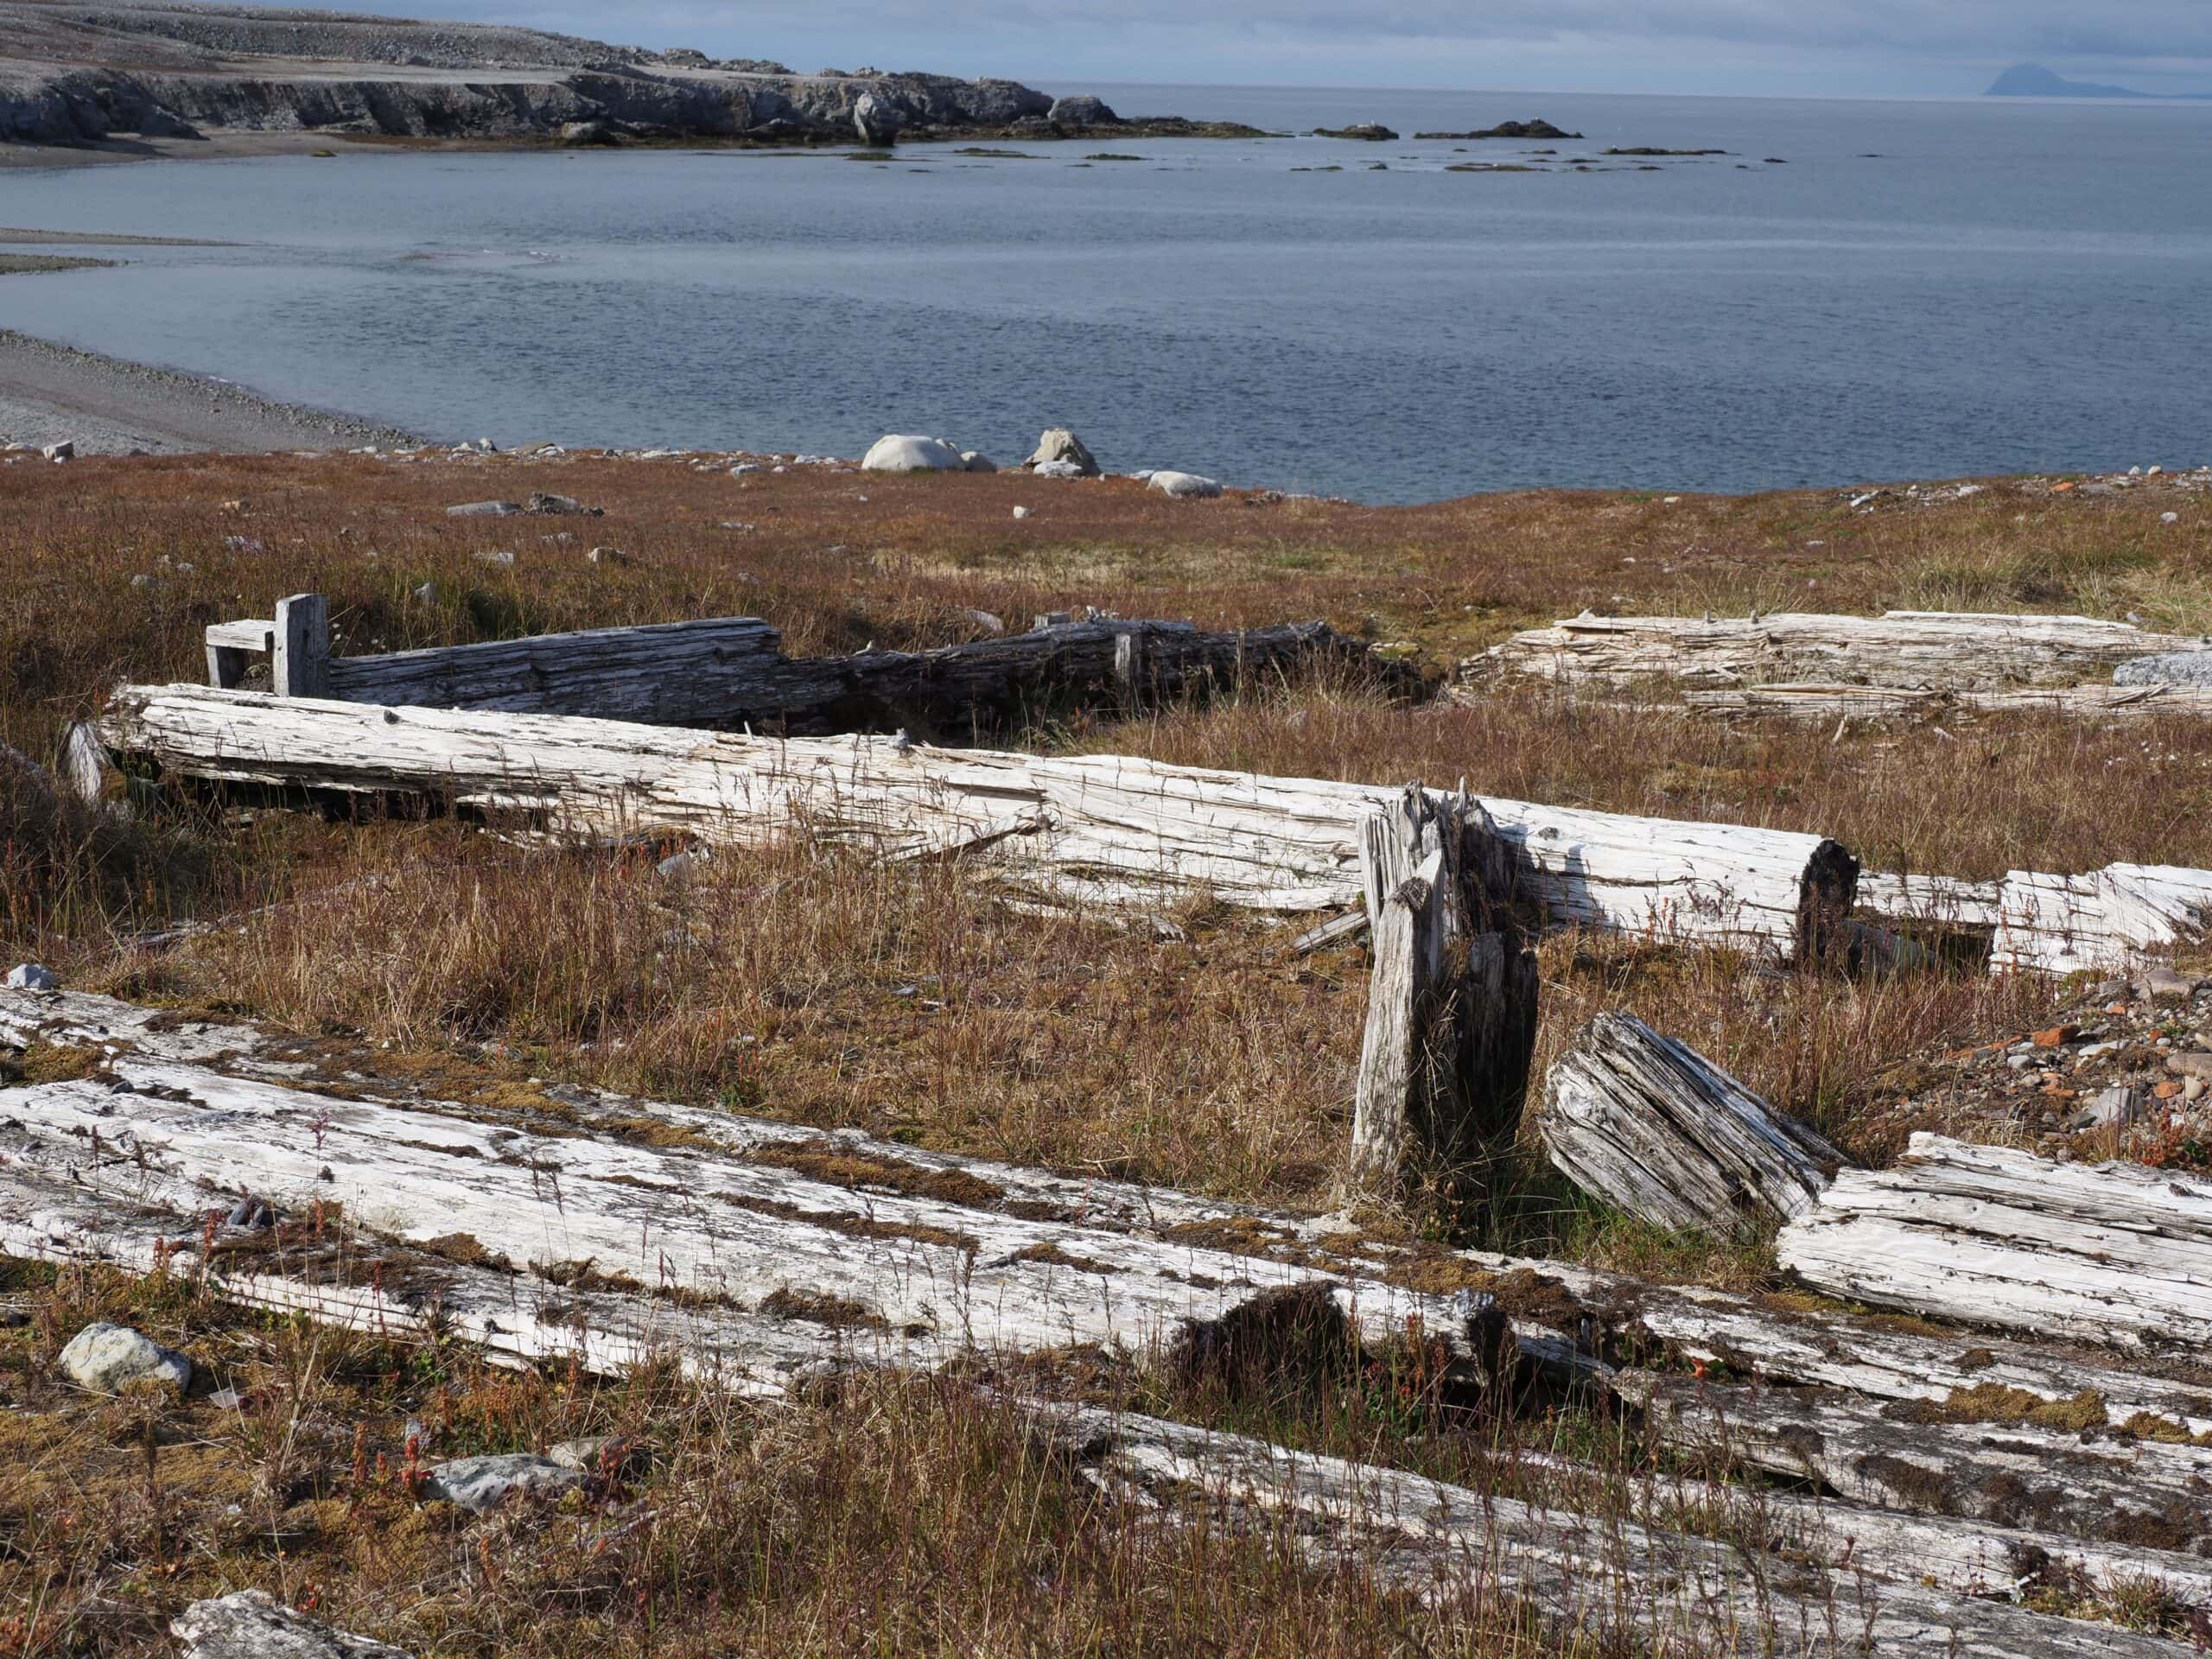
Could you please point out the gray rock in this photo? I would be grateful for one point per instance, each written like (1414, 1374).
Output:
(31, 977)
(607, 555)
(1182, 486)
(2169, 668)
(108, 1359)
(877, 119)
(494, 555)
(65, 450)
(584, 135)
(253, 1625)
(1081, 110)
(1059, 446)
(976, 462)
(1060, 469)
(987, 621)
(905, 454)
(482, 1484)
(541, 502)
(2164, 985)
(2114, 1108)
(484, 510)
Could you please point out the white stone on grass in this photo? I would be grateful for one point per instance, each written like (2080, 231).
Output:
(906, 453)
(32, 977)
(108, 1359)
(1183, 486)
(253, 1625)
(482, 1484)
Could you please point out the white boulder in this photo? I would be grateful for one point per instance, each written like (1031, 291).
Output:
(32, 977)
(108, 1359)
(253, 1624)
(1182, 486)
(905, 454)
(1058, 446)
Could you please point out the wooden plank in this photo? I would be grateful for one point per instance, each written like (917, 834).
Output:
(1910, 650)
(299, 663)
(1989, 1236)
(2099, 1485)
(1121, 829)
(1942, 901)
(1654, 1129)
(2109, 920)
(1819, 701)
(247, 634)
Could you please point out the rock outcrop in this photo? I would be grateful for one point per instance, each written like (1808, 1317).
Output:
(1535, 129)
(80, 75)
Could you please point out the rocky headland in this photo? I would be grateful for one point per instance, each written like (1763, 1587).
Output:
(159, 70)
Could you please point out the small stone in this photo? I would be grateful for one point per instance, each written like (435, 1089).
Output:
(32, 977)
(108, 1359)
(2020, 1061)
(1022, 513)
(2169, 518)
(2166, 1088)
(482, 1484)
(607, 555)
(2165, 987)
(2192, 1090)
(614, 1453)
(497, 556)
(2113, 1108)
(253, 1625)
(2054, 1036)
(484, 510)
(541, 502)
(428, 592)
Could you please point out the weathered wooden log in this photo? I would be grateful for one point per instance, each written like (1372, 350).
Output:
(2112, 1253)
(1603, 1580)
(729, 672)
(1451, 1010)
(1815, 701)
(1979, 1455)
(1997, 1541)
(1118, 829)
(2109, 920)
(1656, 1130)
(1580, 1573)
(1916, 650)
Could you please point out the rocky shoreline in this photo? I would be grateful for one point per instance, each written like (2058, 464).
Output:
(53, 394)
(141, 72)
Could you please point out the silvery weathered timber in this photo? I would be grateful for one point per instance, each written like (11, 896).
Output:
(2107, 920)
(1914, 651)
(1114, 829)
(1656, 1130)
(1817, 700)
(1989, 1236)
(1451, 1009)
(1607, 1580)
(1975, 1456)
(728, 672)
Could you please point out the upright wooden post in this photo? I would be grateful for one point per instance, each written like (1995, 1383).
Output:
(1129, 667)
(300, 663)
(1452, 1012)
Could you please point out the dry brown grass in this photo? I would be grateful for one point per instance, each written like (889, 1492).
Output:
(913, 1004)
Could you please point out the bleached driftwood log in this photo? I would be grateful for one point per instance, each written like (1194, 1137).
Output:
(2112, 1253)
(1658, 1131)
(1972, 1456)
(1781, 1341)
(1116, 829)
(1915, 649)
(731, 671)
(1604, 1580)
(1938, 900)
(1818, 700)
(2107, 920)
(1954, 1549)
(1452, 1009)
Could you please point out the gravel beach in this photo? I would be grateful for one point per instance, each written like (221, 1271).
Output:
(52, 394)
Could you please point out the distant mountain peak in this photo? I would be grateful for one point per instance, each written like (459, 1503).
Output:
(2033, 80)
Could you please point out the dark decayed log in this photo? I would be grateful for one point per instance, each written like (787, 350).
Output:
(1658, 1131)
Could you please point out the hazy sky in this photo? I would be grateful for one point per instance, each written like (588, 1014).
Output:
(1905, 47)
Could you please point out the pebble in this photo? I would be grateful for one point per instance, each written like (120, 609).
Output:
(2110, 1110)
(108, 1359)
(32, 977)
(1022, 513)
(482, 1484)
(2169, 518)
(607, 555)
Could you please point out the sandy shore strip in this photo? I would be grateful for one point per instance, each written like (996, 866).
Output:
(52, 394)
